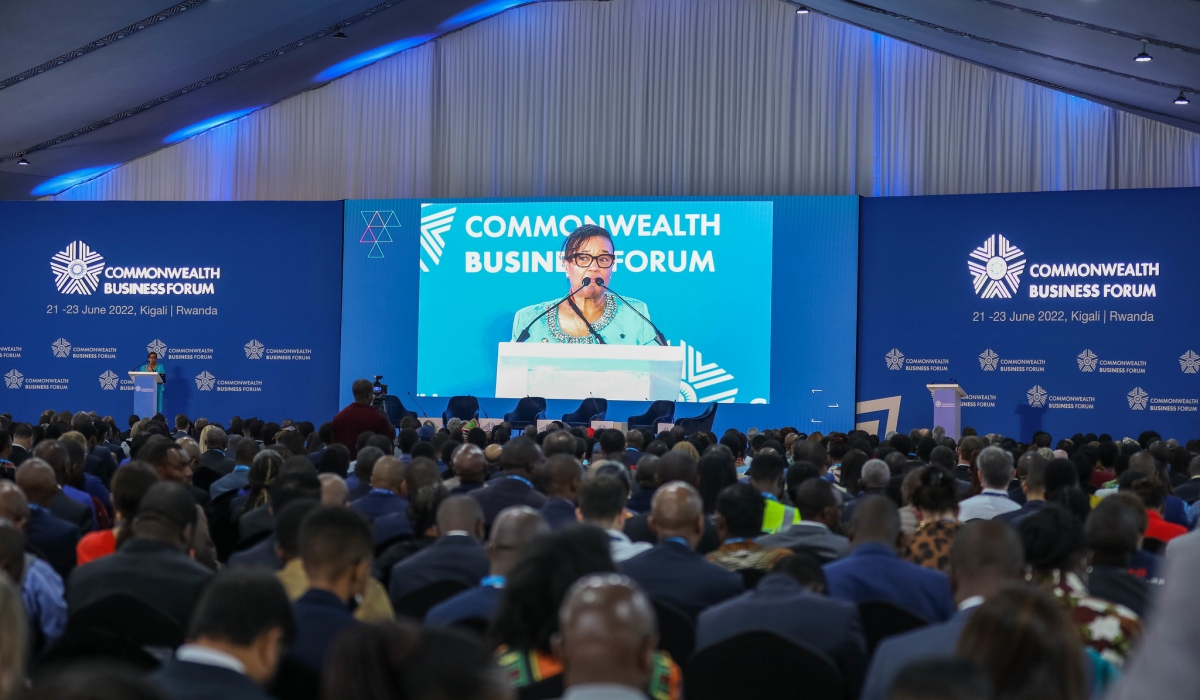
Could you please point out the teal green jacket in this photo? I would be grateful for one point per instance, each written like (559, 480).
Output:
(619, 325)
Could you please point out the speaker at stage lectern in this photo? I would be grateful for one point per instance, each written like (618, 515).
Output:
(145, 392)
(947, 407)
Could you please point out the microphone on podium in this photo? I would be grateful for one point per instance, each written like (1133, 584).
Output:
(658, 335)
(525, 333)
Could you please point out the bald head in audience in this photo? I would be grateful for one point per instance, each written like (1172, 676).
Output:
(460, 514)
(37, 479)
(511, 531)
(14, 507)
(677, 511)
(608, 633)
(877, 520)
(985, 556)
(388, 474)
(334, 491)
(562, 477)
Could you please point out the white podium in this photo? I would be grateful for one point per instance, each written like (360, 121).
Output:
(569, 371)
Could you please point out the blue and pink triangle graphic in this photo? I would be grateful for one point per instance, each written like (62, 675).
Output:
(380, 225)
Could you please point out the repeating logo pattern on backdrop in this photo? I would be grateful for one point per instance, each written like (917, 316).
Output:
(988, 360)
(894, 359)
(205, 381)
(1189, 362)
(61, 348)
(109, 380)
(254, 350)
(1087, 361)
(1036, 396)
(997, 274)
(157, 347)
(77, 269)
(1137, 399)
(14, 379)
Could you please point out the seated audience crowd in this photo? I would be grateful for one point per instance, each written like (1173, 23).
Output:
(362, 560)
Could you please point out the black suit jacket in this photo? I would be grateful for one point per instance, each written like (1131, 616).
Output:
(638, 529)
(53, 537)
(454, 558)
(261, 555)
(19, 454)
(781, 606)
(153, 571)
(66, 508)
(184, 680)
(217, 461)
(504, 492)
(101, 463)
(672, 573)
(1189, 490)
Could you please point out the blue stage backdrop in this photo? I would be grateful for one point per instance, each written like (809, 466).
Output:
(238, 299)
(767, 307)
(1061, 312)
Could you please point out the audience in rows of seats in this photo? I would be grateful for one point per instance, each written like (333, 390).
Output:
(362, 560)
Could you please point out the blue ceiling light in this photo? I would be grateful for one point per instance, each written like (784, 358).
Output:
(477, 12)
(366, 58)
(199, 127)
(57, 184)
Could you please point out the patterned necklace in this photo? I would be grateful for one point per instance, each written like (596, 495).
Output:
(556, 331)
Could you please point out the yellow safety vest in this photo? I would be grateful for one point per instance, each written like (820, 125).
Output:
(777, 516)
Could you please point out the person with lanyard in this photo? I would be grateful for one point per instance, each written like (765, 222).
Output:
(995, 473)
(766, 475)
(152, 365)
(513, 528)
(513, 486)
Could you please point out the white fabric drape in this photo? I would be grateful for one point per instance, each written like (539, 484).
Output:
(663, 97)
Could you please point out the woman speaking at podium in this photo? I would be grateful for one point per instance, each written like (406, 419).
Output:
(152, 365)
(591, 314)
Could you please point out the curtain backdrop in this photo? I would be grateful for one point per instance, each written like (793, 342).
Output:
(663, 97)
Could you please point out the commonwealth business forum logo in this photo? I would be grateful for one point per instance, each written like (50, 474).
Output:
(205, 381)
(996, 268)
(988, 360)
(1138, 399)
(77, 269)
(254, 350)
(1037, 396)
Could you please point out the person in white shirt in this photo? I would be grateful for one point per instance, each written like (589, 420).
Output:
(995, 473)
(602, 503)
(238, 631)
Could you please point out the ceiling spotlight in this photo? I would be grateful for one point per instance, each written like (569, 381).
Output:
(1143, 57)
(801, 10)
(22, 161)
(342, 35)
(1182, 99)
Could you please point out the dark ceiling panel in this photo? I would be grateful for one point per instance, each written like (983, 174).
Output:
(35, 31)
(1038, 40)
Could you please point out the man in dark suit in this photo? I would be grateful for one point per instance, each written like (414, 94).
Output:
(673, 573)
(673, 466)
(1033, 488)
(22, 443)
(986, 556)
(519, 461)
(153, 565)
(1188, 491)
(46, 530)
(874, 571)
(68, 503)
(563, 478)
(54, 539)
(513, 529)
(241, 623)
(213, 462)
(335, 546)
(781, 604)
(456, 555)
(386, 496)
